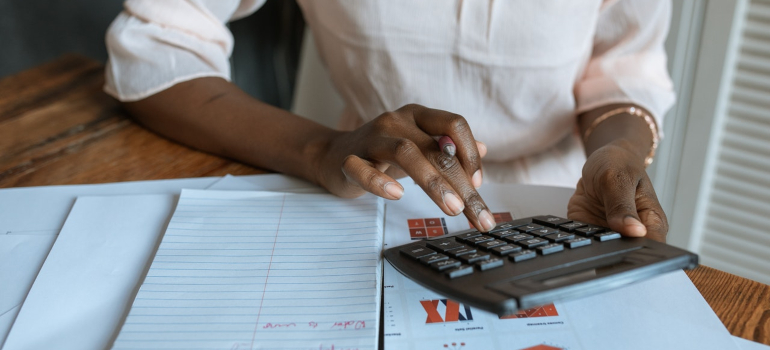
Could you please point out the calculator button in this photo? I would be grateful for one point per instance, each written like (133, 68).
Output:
(479, 239)
(550, 248)
(474, 257)
(444, 245)
(416, 252)
(510, 224)
(489, 264)
(521, 256)
(550, 220)
(503, 233)
(559, 237)
(577, 242)
(491, 244)
(506, 249)
(446, 264)
(460, 271)
(464, 236)
(462, 251)
(519, 237)
(602, 237)
(572, 226)
(433, 258)
(532, 243)
(543, 232)
(527, 228)
(502, 227)
(589, 231)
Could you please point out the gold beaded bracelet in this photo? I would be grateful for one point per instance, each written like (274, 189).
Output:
(635, 111)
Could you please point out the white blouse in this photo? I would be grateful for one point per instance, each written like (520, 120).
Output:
(518, 70)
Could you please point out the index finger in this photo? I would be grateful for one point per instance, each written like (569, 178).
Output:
(436, 122)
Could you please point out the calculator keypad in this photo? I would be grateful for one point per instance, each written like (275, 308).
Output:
(519, 241)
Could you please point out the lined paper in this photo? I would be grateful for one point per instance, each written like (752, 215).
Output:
(242, 270)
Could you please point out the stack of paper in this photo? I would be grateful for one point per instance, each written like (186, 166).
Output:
(238, 270)
(249, 270)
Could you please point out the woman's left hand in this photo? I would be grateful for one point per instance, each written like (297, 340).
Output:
(616, 192)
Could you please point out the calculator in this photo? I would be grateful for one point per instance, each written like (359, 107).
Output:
(533, 261)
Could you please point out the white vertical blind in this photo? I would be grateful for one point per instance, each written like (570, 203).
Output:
(736, 230)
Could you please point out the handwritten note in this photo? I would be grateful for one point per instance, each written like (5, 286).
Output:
(240, 270)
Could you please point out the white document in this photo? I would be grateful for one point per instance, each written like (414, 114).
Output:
(81, 338)
(20, 258)
(41, 211)
(541, 200)
(666, 312)
(272, 182)
(85, 285)
(744, 344)
(235, 270)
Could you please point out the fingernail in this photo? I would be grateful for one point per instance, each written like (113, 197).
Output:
(482, 147)
(476, 179)
(394, 190)
(453, 203)
(634, 227)
(486, 220)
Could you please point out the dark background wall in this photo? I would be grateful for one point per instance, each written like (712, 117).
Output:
(264, 61)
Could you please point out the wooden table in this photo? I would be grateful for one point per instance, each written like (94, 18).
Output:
(58, 127)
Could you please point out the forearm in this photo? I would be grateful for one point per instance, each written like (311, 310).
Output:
(215, 116)
(625, 130)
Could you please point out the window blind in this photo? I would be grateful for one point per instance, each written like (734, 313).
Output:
(736, 227)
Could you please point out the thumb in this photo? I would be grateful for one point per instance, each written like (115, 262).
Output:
(620, 206)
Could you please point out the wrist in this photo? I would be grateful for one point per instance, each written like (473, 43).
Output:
(627, 126)
(631, 151)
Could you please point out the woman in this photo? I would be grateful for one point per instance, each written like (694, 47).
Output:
(550, 87)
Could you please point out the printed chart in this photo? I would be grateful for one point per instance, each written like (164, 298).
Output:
(426, 228)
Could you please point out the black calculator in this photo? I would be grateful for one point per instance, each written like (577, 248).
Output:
(533, 261)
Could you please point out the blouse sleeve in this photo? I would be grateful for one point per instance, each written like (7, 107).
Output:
(153, 45)
(628, 61)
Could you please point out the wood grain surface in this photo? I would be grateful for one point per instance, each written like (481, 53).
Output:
(742, 304)
(58, 127)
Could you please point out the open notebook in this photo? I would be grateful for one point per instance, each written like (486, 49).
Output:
(242, 270)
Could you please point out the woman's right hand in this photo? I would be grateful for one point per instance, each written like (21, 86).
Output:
(356, 162)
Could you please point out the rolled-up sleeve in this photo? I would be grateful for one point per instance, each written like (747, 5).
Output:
(628, 61)
(153, 45)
